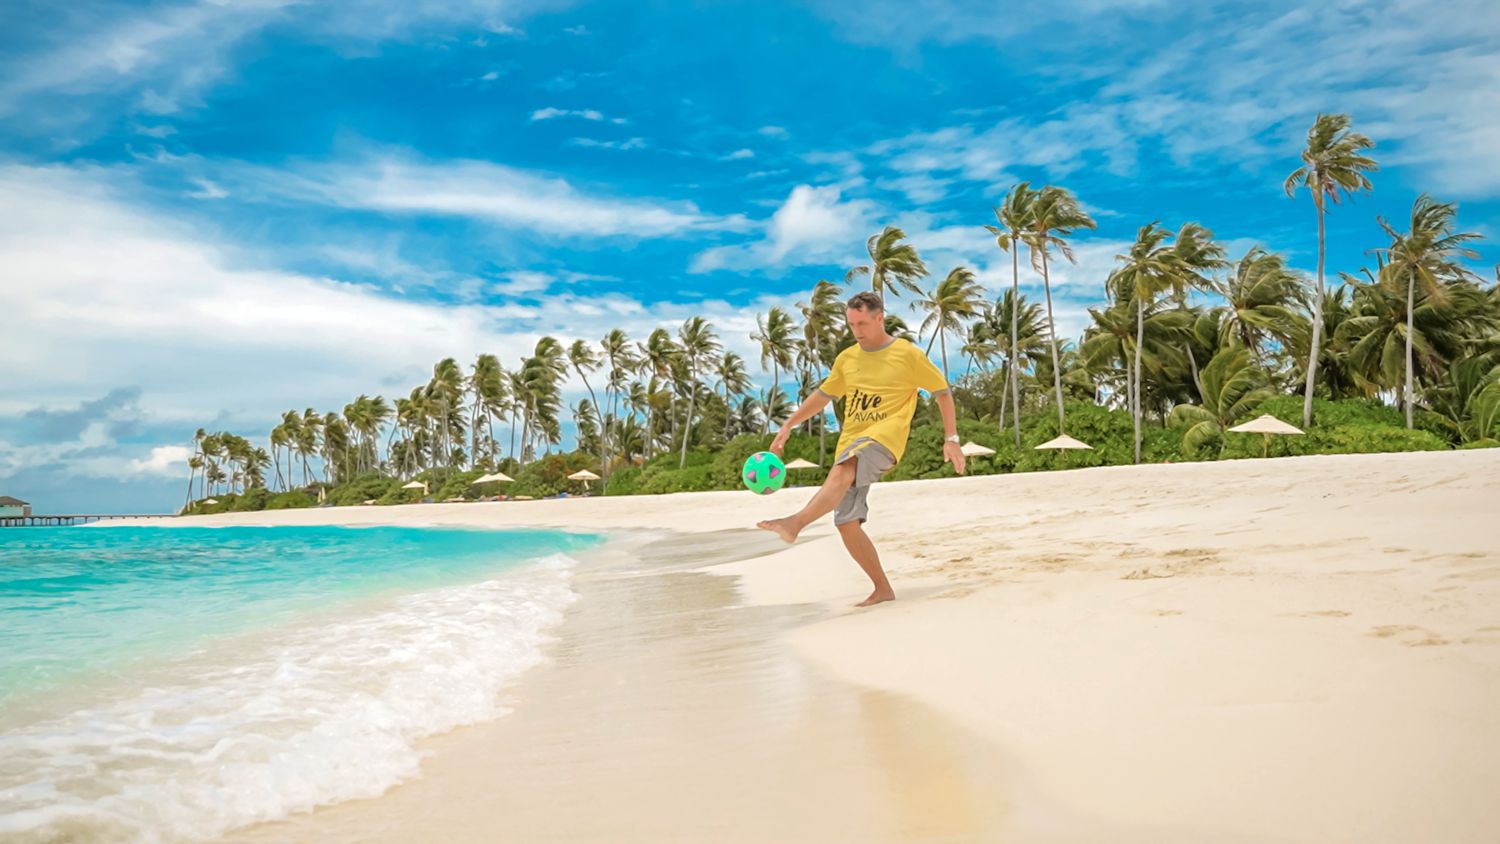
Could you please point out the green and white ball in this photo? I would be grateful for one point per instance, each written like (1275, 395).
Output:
(764, 473)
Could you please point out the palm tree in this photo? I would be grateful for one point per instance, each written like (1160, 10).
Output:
(445, 390)
(487, 389)
(1055, 214)
(195, 462)
(1155, 265)
(696, 344)
(1014, 216)
(619, 363)
(1429, 252)
(1333, 164)
(894, 265)
(1469, 403)
(656, 363)
(1232, 388)
(957, 297)
(730, 371)
(581, 356)
(1260, 296)
(774, 333)
(309, 438)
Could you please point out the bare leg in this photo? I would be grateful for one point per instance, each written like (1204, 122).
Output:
(859, 546)
(827, 498)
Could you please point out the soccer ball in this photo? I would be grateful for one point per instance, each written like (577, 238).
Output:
(764, 473)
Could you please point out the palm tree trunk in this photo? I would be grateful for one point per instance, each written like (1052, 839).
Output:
(728, 411)
(1004, 395)
(1193, 365)
(1317, 323)
(1140, 339)
(943, 343)
(1015, 322)
(1052, 330)
(604, 432)
(1411, 298)
(687, 427)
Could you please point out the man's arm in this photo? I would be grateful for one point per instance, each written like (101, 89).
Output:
(810, 407)
(952, 453)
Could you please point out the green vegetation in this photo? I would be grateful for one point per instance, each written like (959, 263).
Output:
(1190, 342)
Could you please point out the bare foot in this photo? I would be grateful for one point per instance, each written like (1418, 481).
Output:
(879, 596)
(781, 527)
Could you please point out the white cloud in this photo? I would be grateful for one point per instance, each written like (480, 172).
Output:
(550, 113)
(773, 132)
(207, 190)
(1235, 83)
(814, 224)
(167, 460)
(172, 53)
(101, 293)
(740, 154)
(595, 143)
(482, 190)
(576, 30)
(490, 77)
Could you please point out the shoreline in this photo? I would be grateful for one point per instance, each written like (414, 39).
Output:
(669, 710)
(1300, 649)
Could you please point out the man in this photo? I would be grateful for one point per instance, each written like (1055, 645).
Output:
(878, 377)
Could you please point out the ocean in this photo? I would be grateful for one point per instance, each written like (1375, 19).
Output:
(170, 684)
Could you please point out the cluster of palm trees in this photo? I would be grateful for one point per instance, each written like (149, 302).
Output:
(1188, 335)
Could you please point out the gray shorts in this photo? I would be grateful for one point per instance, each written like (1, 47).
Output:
(872, 461)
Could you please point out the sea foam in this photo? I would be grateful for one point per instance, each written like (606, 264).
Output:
(282, 722)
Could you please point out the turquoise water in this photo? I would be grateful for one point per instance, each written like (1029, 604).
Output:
(74, 602)
(170, 684)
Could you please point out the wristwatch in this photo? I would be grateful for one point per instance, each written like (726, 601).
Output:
(952, 438)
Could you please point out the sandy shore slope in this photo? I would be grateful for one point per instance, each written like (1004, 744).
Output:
(1304, 649)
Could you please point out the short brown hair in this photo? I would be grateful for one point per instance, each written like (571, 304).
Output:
(866, 300)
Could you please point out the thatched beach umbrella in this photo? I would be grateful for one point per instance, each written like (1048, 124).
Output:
(974, 449)
(1266, 425)
(799, 463)
(495, 478)
(585, 476)
(210, 501)
(416, 485)
(1064, 442)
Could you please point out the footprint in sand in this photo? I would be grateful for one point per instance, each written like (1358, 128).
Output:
(1409, 635)
(1484, 636)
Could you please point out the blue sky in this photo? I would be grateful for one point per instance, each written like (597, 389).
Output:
(212, 212)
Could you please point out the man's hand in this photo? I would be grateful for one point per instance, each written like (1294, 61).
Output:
(954, 454)
(780, 442)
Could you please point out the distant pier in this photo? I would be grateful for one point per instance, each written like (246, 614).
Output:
(74, 519)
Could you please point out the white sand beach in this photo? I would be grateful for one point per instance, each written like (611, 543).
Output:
(1303, 649)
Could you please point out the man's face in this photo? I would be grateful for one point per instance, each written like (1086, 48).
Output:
(866, 326)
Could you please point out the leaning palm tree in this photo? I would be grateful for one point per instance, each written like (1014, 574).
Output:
(656, 355)
(956, 298)
(696, 345)
(1156, 265)
(619, 362)
(894, 264)
(774, 333)
(581, 356)
(1233, 386)
(1428, 253)
(730, 370)
(1014, 216)
(1333, 164)
(1055, 214)
(1260, 295)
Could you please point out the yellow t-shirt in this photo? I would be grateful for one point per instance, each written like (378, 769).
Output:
(880, 391)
